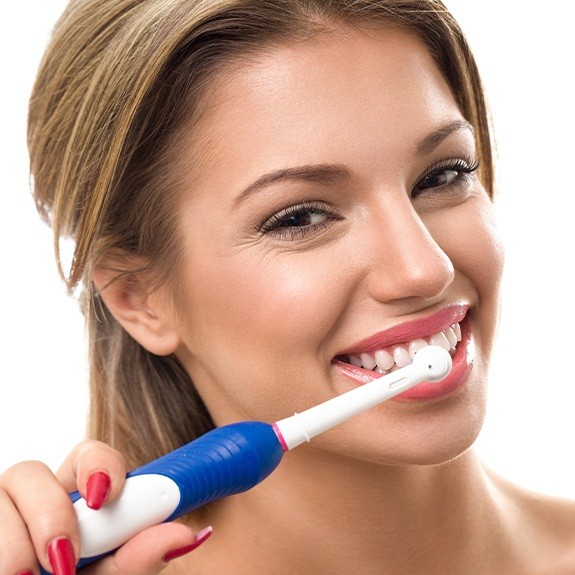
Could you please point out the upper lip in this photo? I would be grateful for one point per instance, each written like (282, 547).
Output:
(409, 330)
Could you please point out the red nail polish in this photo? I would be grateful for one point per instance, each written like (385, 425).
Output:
(61, 555)
(201, 536)
(24, 573)
(97, 489)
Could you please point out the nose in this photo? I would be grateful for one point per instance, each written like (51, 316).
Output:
(406, 262)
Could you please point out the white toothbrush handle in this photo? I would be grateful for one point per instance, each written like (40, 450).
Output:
(431, 363)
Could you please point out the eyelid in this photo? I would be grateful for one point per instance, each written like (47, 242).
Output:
(465, 164)
(469, 163)
(269, 224)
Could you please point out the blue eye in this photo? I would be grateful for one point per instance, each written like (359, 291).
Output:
(296, 222)
(444, 176)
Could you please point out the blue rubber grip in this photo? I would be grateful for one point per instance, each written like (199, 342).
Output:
(223, 462)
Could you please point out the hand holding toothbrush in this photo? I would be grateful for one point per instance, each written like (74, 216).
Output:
(133, 516)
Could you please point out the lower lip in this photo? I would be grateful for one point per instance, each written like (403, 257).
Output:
(426, 391)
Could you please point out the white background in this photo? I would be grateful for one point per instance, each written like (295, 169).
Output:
(525, 50)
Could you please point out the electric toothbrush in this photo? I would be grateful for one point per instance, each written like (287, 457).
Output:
(231, 459)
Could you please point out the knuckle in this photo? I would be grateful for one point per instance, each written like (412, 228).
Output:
(95, 448)
(86, 446)
(26, 467)
(21, 473)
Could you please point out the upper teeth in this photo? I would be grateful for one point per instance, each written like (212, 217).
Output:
(389, 359)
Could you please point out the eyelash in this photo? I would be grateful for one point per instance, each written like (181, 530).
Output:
(463, 167)
(276, 224)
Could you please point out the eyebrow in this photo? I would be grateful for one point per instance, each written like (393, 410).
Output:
(432, 141)
(317, 173)
(337, 173)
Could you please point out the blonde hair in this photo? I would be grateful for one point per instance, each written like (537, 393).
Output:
(117, 81)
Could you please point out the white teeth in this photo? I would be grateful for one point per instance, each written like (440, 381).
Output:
(367, 360)
(390, 359)
(440, 340)
(451, 337)
(415, 345)
(401, 356)
(354, 360)
(384, 359)
(457, 330)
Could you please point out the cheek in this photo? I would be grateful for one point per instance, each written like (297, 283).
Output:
(259, 308)
(256, 330)
(289, 293)
(471, 240)
(480, 256)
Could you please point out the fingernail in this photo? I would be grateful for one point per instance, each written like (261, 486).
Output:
(61, 555)
(201, 536)
(97, 489)
(24, 573)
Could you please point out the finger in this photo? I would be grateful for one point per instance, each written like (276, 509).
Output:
(150, 551)
(96, 470)
(16, 549)
(46, 510)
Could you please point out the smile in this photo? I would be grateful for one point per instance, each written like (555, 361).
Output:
(388, 359)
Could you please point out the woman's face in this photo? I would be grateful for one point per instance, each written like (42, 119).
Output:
(330, 210)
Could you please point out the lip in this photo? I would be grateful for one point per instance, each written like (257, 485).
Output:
(407, 331)
(425, 391)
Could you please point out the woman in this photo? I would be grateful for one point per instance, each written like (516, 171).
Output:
(271, 202)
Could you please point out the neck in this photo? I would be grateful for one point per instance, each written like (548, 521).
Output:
(349, 516)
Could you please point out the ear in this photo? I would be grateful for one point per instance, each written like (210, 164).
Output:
(145, 313)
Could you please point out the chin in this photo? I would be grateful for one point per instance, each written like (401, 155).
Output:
(444, 453)
(441, 443)
(423, 437)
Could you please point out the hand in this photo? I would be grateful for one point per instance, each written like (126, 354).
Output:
(39, 524)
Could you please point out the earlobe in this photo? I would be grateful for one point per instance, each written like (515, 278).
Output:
(142, 312)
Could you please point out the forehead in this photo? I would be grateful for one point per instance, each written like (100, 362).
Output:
(372, 93)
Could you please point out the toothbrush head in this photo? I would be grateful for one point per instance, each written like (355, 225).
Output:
(435, 360)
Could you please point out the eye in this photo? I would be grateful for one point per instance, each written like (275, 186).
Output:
(296, 222)
(445, 176)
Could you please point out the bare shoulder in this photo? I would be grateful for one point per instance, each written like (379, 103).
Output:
(554, 522)
(556, 519)
(543, 528)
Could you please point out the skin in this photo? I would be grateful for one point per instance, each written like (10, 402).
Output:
(260, 312)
